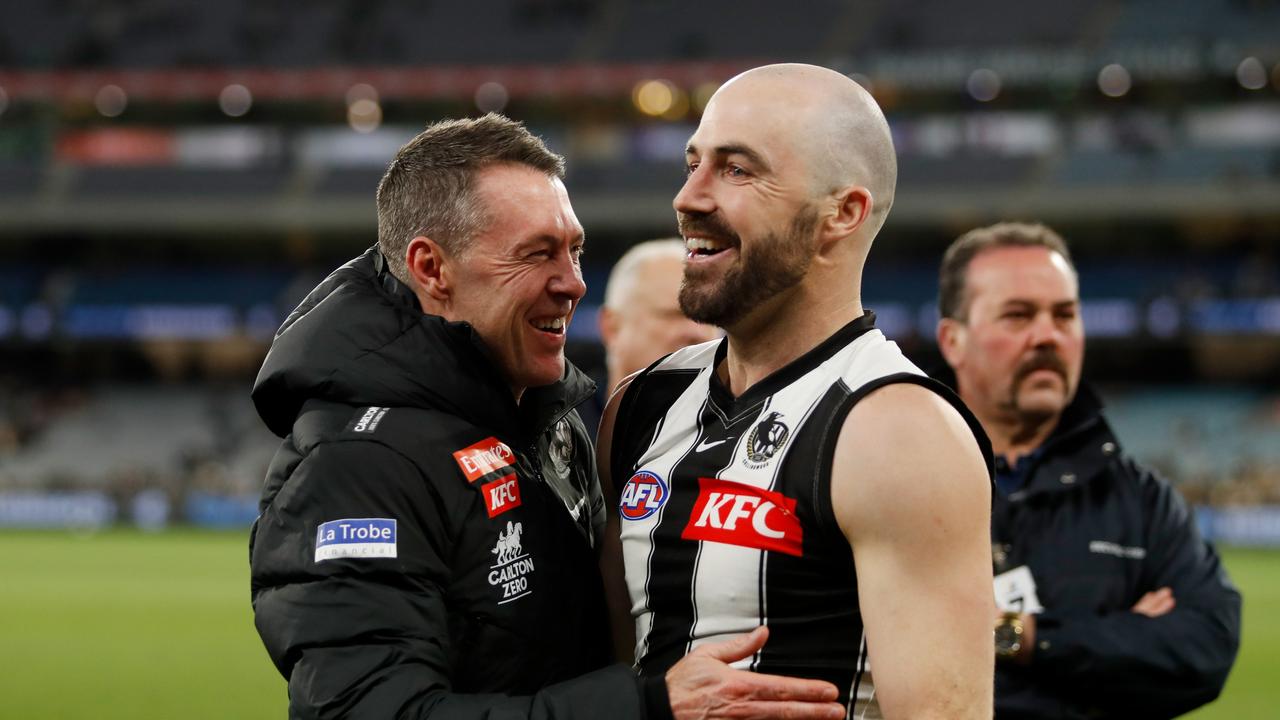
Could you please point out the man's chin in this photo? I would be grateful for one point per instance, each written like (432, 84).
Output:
(1040, 405)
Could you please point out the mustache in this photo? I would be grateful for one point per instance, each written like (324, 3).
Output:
(1044, 359)
(708, 225)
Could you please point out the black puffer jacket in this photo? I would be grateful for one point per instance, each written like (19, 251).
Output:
(1098, 531)
(424, 547)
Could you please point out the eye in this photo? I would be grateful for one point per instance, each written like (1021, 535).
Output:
(690, 168)
(736, 171)
(577, 251)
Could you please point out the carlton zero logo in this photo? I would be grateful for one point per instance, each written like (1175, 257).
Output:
(737, 514)
(511, 566)
(643, 496)
(356, 538)
(490, 455)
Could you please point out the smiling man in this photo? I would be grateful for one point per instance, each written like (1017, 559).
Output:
(801, 474)
(1110, 603)
(427, 544)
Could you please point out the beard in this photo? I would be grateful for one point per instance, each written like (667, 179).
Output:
(775, 263)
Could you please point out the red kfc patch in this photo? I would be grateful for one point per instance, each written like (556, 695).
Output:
(487, 456)
(501, 495)
(737, 514)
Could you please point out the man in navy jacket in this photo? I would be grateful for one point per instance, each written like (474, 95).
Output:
(1109, 603)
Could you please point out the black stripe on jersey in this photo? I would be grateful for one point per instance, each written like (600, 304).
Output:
(645, 402)
(777, 645)
(673, 614)
(827, 449)
(857, 677)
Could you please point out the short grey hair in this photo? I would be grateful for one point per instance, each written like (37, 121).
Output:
(953, 300)
(623, 277)
(429, 187)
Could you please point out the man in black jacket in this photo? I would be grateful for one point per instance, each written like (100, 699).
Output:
(1109, 602)
(429, 530)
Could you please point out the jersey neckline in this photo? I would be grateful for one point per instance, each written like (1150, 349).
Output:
(790, 372)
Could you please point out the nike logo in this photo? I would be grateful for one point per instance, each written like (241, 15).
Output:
(707, 445)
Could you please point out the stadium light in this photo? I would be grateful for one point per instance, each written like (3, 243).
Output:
(491, 97)
(111, 101)
(1251, 74)
(702, 95)
(983, 85)
(654, 97)
(235, 100)
(364, 115)
(1114, 80)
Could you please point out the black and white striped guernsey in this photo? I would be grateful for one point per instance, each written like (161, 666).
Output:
(726, 507)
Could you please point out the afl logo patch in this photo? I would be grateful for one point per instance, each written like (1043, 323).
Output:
(643, 496)
(766, 439)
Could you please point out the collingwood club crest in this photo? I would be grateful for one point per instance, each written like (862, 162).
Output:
(766, 440)
(561, 450)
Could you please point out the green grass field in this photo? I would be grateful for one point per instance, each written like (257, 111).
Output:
(131, 625)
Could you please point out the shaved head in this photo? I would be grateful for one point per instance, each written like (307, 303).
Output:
(836, 128)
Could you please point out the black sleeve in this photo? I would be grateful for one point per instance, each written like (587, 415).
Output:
(369, 637)
(1130, 664)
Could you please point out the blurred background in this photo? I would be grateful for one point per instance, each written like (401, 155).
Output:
(175, 175)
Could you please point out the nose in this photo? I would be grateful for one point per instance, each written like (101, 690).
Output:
(694, 196)
(1044, 331)
(567, 280)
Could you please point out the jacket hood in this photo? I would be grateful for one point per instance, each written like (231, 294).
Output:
(361, 338)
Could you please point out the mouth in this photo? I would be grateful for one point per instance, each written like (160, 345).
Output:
(703, 247)
(550, 325)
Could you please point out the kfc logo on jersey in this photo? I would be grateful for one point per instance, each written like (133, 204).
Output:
(487, 456)
(501, 495)
(737, 514)
(643, 496)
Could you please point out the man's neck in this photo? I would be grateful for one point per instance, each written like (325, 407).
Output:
(781, 330)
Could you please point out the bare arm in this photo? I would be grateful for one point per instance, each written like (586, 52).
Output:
(912, 495)
(611, 566)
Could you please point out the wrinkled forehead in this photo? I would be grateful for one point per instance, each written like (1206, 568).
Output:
(521, 201)
(1029, 274)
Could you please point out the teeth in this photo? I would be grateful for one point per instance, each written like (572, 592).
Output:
(695, 244)
(554, 324)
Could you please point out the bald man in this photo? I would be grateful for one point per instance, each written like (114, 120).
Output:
(800, 474)
(641, 320)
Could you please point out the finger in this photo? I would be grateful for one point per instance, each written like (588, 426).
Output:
(735, 648)
(758, 686)
(1155, 602)
(1144, 603)
(790, 710)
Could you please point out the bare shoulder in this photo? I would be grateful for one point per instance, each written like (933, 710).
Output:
(904, 451)
(604, 436)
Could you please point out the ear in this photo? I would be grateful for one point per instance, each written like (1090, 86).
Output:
(608, 321)
(430, 272)
(852, 208)
(952, 339)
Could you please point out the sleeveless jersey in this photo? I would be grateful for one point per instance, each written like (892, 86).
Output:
(726, 511)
